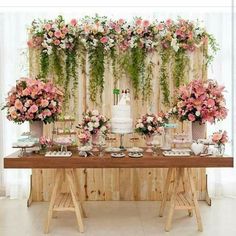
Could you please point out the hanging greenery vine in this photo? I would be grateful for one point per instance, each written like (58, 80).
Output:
(165, 58)
(181, 61)
(44, 64)
(96, 71)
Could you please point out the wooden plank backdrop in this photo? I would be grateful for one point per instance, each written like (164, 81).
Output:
(123, 183)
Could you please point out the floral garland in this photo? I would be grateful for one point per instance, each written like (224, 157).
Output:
(127, 45)
(57, 40)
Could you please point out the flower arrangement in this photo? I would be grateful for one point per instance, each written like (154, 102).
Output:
(149, 124)
(220, 137)
(201, 101)
(163, 117)
(93, 122)
(84, 137)
(33, 100)
(125, 44)
(45, 142)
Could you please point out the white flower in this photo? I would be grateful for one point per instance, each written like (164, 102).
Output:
(222, 104)
(90, 124)
(197, 113)
(149, 119)
(174, 44)
(141, 125)
(103, 128)
(149, 128)
(139, 120)
(96, 124)
(159, 119)
(90, 128)
(95, 113)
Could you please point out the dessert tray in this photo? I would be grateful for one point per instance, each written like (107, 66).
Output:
(179, 153)
(135, 154)
(58, 154)
(118, 155)
(23, 144)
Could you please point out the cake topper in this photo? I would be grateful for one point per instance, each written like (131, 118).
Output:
(125, 97)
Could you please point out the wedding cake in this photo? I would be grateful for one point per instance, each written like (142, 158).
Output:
(121, 122)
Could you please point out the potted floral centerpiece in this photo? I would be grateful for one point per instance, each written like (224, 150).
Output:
(220, 138)
(95, 124)
(149, 125)
(44, 143)
(35, 101)
(84, 137)
(200, 102)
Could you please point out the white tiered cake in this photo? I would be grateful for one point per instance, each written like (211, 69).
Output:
(121, 122)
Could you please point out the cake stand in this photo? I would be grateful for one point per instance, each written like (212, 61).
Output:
(122, 148)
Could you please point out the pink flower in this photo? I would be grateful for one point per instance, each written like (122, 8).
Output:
(191, 117)
(73, 22)
(104, 39)
(33, 109)
(216, 137)
(146, 23)
(57, 34)
(138, 21)
(117, 29)
(56, 42)
(46, 112)
(48, 27)
(168, 22)
(30, 43)
(18, 104)
(44, 103)
(121, 21)
(160, 26)
(210, 102)
(139, 31)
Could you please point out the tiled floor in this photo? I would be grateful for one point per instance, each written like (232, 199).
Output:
(117, 219)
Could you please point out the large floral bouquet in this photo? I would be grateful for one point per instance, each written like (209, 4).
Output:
(33, 100)
(142, 34)
(149, 124)
(53, 34)
(93, 122)
(220, 137)
(201, 101)
(183, 34)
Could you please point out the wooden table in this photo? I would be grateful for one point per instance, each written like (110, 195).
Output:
(178, 167)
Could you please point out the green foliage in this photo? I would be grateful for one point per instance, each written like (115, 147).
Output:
(96, 71)
(180, 64)
(57, 63)
(44, 64)
(147, 85)
(165, 57)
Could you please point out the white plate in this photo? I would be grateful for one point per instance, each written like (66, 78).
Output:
(177, 154)
(135, 155)
(118, 155)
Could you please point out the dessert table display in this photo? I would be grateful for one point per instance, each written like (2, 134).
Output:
(179, 168)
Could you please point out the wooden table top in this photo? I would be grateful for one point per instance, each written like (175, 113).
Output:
(147, 161)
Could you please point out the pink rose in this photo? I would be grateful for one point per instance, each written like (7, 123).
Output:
(168, 22)
(191, 117)
(73, 22)
(47, 27)
(18, 104)
(117, 29)
(104, 40)
(33, 109)
(44, 103)
(210, 102)
(138, 21)
(216, 137)
(139, 31)
(146, 23)
(47, 112)
(57, 34)
(30, 43)
(121, 21)
(160, 26)
(56, 42)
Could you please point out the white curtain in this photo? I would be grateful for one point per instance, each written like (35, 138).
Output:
(13, 64)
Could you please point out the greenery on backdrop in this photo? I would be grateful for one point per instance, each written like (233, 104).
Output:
(126, 45)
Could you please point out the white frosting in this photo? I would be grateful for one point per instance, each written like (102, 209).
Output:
(121, 121)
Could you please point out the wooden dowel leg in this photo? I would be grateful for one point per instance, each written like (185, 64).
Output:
(194, 196)
(166, 190)
(172, 201)
(77, 194)
(69, 176)
(52, 201)
(190, 211)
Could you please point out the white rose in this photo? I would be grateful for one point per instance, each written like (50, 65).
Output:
(139, 120)
(93, 118)
(197, 113)
(141, 125)
(149, 119)
(159, 119)
(90, 124)
(90, 128)
(96, 124)
(103, 128)
(149, 128)
(95, 113)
